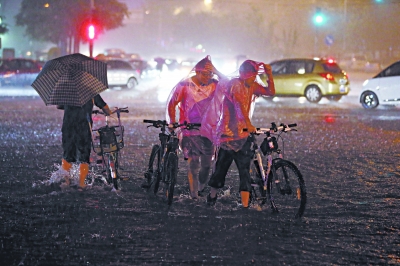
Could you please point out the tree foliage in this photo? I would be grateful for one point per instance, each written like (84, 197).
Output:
(57, 20)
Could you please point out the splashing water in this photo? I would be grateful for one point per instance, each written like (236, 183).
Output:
(59, 175)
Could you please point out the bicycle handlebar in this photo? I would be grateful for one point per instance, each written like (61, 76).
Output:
(274, 128)
(116, 110)
(282, 127)
(163, 123)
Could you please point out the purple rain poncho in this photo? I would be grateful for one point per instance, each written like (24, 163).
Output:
(189, 101)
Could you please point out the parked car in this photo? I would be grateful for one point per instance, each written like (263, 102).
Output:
(384, 88)
(359, 63)
(120, 73)
(354, 62)
(311, 78)
(18, 71)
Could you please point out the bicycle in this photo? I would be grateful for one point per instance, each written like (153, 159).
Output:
(290, 189)
(163, 162)
(107, 141)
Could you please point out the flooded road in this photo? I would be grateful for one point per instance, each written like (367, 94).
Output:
(349, 158)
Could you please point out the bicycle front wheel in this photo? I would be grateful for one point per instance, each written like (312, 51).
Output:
(111, 170)
(258, 193)
(171, 174)
(289, 194)
(152, 174)
(113, 174)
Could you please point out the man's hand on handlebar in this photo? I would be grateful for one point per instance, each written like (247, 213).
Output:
(171, 127)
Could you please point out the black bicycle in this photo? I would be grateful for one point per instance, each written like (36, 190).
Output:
(289, 193)
(163, 162)
(107, 141)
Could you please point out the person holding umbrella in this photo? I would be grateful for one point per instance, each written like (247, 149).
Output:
(74, 83)
(77, 138)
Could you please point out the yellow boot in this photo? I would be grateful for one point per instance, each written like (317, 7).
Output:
(83, 172)
(245, 195)
(67, 167)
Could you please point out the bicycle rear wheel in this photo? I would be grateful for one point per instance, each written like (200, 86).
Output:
(289, 194)
(257, 184)
(171, 174)
(152, 174)
(111, 170)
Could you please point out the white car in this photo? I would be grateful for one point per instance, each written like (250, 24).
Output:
(120, 73)
(383, 89)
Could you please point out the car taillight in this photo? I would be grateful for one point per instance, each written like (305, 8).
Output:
(327, 76)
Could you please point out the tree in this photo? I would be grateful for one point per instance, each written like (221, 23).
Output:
(60, 21)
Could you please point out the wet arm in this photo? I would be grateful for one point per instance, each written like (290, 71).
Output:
(174, 101)
(270, 81)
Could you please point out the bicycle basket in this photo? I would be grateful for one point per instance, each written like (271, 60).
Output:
(108, 139)
(269, 145)
(119, 135)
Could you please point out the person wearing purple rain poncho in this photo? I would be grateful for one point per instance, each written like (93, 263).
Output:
(227, 123)
(191, 96)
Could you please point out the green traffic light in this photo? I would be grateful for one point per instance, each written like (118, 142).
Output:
(318, 19)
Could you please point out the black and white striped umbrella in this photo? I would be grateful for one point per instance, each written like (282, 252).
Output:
(71, 80)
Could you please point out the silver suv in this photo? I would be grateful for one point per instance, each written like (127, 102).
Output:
(121, 74)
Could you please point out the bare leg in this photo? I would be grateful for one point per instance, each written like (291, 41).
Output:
(204, 170)
(193, 175)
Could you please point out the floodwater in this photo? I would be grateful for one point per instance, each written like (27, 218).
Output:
(348, 157)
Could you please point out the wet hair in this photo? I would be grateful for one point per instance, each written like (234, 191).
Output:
(247, 69)
(202, 63)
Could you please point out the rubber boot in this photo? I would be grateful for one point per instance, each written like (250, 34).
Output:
(67, 167)
(83, 172)
(245, 195)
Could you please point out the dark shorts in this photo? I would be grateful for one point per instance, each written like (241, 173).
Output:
(196, 146)
(242, 159)
(76, 142)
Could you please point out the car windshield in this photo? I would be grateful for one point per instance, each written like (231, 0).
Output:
(332, 67)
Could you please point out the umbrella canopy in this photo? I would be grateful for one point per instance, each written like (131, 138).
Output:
(71, 80)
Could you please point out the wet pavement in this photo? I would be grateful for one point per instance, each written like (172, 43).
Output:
(348, 157)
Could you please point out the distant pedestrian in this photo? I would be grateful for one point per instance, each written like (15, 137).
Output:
(227, 122)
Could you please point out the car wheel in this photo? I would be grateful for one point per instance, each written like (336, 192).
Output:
(369, 100)
(334, 98)
(313, 94)
(131, 83)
